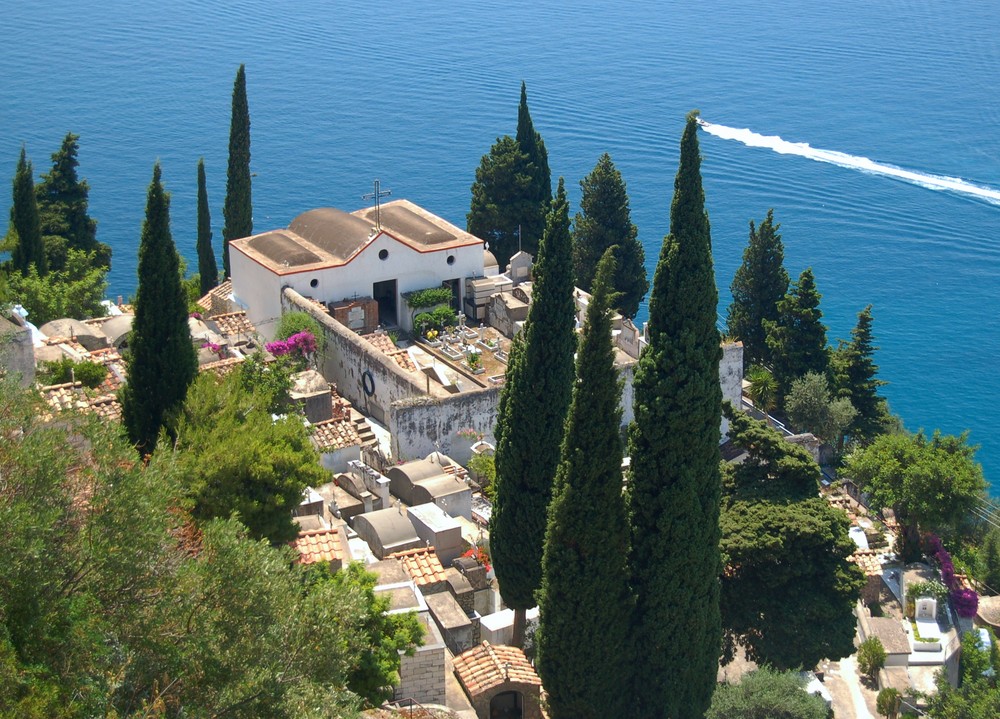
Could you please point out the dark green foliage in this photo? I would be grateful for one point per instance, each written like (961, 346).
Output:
(797, 339)
(429, 297)
(261, 476)
(539, 191)
(269, 380)
(763, 389)
(89, 374)
(437, 319)
(25, 233)
(500, 200)
(208, 271)
(584, 599)
(76, 291)
(931, 484)
(237, 212)
(63, 209)
(606, 221)
(766, 693)
(533, 406)
(989, 561)
(855, 377)
(162, 361)
(888, 702)
(759, 284)
(811, 409)
(136, 613)
(786, 555)
(674, 485)
(871, 657)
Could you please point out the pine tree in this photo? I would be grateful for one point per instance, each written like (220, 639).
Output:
(63, 200)
(25, 230)
(584, 599)
(759, 284)
(797, 339)
(208, 271)
(539, 191)
(162, 362)
(533, 406)
(855, 377)
(606, 221)
(238, 209)
(499, 199)
(674, 486)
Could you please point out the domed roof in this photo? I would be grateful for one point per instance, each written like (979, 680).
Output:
(489, 259)
(335, 231)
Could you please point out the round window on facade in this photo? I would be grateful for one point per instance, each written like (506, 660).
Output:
(314, 283)
(383, 254)
(451, 259)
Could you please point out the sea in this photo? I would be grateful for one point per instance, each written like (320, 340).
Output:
(871, 128)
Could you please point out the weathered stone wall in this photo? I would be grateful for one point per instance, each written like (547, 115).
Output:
(731, 377)
(17, 353)
(347, 357)
(421, 425)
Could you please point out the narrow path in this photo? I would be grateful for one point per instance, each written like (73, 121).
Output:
(849, 673)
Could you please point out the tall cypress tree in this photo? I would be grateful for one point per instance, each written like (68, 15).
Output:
(208, 271)
(238, 209)
(855, 378)
(674, 486)
(533, 406)
(797, 339)
(498, 199)
(606, 221)
(585, 599)
(539, 192)
(162, 361)
(759, 284)
(25, 227)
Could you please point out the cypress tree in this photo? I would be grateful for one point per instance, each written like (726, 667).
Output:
(855, 375)
(797, 339)
(162, 362)
(606, 221)
(759, 284)
(674, 485)
(585, 599)
(25, 227)
(208, 271)
(533, 406)
(238, 209)
(499, 199)
(538, 194)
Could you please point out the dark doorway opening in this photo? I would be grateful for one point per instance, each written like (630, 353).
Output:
(506, 705)
(385, 294)
(455, 286)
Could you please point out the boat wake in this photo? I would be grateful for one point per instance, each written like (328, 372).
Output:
(862, 164)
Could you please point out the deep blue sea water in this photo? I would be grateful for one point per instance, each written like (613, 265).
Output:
(415, 93)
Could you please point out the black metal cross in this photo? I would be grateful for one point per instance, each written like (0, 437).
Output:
(377, 195)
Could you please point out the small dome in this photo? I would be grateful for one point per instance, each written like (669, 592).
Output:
(489, 259)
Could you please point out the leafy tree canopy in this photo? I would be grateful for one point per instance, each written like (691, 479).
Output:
(75, 291)
(785, 551)
(930, 484)
(797, 339)
(810, 408)
(501, 200)
(767, 693)
(237, 459)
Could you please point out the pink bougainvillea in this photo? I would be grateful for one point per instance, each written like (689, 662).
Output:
(301, 343)
(966, 602)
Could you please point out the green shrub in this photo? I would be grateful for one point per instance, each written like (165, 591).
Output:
(89, 374)
(871, 657)
(428, 297)
(294, 322)
(444, 317)
(888, 702)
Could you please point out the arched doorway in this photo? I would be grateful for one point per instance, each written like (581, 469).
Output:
(506, 705)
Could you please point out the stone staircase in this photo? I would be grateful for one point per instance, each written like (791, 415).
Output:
(368, 438)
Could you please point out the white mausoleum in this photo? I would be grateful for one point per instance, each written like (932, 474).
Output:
(329, 255)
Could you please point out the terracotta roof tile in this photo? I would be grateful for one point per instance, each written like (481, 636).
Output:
(223, 290)
(221, 367)
(384, 344)
(336, 433)
(422, 564)
(107, 408)
(320, 545)
(234, 323)
(867, 559)
(485, 666)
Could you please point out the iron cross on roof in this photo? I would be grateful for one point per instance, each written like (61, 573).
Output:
(377, 195)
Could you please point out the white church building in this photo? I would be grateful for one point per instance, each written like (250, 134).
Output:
(333, 257)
